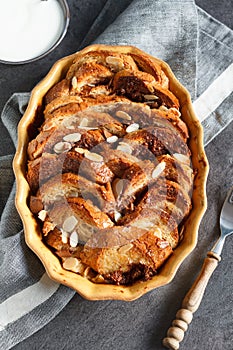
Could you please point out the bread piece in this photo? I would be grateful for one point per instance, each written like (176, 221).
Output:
(138, 85)
(69, 185)
(112, 60)
(114, 255)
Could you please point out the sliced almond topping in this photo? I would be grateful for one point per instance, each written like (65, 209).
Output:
(42, 215)
(163, 108)
(143, 223)
(74, 239)
(115, 62)
(73, 264)
(67, 123)
(132, 127)
(64, 236)
(88, 127)
(123, 115)
(176, 111)
(112, 139)
(69, 224)
(124, 147)
(95, 157)
(158, 170)
(74, 82)
(182, 158)
(75, 137)
(80, 150)
(84, 122)
(61, 147)
(125, 248)
(151, 97)
(117, 187)
(117, 215)
(162, 244)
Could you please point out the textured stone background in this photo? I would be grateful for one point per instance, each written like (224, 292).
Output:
(143, 323)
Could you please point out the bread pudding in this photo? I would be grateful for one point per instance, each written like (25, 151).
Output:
(109, 167)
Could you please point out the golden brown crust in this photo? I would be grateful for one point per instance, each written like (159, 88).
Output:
(145, 63)
(143, 247)
(112, 60)
(136, 85)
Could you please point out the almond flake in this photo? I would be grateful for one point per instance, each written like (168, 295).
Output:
(182, 158)
(74, 82)
(123, 115)
(151, 97)
(115, 62)
(84, 122)
(67, 123)
(132, 127)
(61, 147)
(88, 127)
(124, 147)
(125, 248)
(75, 137)
(80, 150)
(95, 157)
(117, 187)
(64, 236)
(112, 139)
(69, 224)
(117, 215)
(158, 170)
(163, 108)
(143, 223)
(42, 215)
(74, 239)
(73, 264)
(176, 111)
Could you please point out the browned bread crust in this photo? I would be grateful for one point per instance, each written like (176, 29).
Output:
(109, 170)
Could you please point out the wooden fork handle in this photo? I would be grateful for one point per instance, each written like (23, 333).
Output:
(190, 304)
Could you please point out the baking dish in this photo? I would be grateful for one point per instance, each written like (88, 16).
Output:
(33, 236)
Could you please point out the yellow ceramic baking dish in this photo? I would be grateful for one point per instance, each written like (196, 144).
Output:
(33, 236)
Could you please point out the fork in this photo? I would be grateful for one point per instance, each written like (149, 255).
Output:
(192, 300)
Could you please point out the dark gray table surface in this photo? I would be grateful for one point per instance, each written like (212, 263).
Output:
(104, 325)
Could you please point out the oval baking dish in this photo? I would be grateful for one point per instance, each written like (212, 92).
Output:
(32, 228)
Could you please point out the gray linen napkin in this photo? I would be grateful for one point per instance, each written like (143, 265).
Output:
(199, 50)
